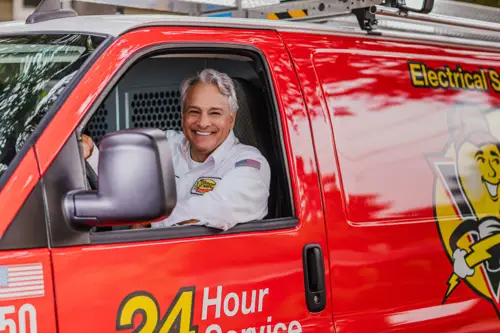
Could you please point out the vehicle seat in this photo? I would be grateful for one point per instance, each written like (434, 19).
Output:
(253, 127)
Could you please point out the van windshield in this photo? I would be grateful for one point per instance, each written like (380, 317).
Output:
(34, 71)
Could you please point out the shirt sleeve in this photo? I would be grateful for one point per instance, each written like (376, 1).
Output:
(241, 196)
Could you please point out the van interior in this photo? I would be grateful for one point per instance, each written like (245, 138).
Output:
(148, 96)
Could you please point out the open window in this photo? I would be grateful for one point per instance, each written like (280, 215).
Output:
(147, 95)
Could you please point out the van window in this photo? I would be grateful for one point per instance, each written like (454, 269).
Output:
(34, 72)
(148, 96)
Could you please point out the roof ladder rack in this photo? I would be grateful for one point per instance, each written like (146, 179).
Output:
(307, 10)
(295, 10)
(446, 12)
(453, 15)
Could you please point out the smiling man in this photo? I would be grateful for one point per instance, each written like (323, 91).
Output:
(220, 181)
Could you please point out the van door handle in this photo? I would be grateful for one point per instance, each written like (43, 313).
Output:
(314, 277)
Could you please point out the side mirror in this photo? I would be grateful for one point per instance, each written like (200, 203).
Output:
(417, 6)
(136, 181)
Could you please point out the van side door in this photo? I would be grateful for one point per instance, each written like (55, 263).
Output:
(407, 138)
(269, 275)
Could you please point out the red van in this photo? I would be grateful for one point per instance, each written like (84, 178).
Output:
(384, 213)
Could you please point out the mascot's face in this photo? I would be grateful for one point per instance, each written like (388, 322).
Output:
(479, 170)
(488, 161)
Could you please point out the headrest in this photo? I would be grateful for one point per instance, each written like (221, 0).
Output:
(250, 101)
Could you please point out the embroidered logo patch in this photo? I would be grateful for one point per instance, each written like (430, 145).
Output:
(203, 185)
(249, 163)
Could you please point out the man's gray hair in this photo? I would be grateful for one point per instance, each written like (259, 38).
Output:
(223, 82)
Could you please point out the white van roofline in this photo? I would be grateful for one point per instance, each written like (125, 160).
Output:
(116, 25)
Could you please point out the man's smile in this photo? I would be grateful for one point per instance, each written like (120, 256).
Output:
(203, 133)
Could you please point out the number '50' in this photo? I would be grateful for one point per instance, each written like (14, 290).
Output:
(180, 312)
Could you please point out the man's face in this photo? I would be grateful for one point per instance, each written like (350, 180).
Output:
(206, 120)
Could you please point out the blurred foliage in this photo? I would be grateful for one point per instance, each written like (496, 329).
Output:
(34, 71)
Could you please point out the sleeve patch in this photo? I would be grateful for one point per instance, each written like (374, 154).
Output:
(249, 163)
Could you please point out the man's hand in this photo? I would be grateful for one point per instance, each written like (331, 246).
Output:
(188, 222)
(88, 146)
(140, 226)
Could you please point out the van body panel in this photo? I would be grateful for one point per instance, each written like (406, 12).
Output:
(391, 208)
(26, 291)
(393, 154)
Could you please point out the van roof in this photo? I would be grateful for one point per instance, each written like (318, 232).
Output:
(116, 25)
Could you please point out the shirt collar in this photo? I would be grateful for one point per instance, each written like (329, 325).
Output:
(219, 153)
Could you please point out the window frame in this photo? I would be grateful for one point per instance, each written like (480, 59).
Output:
(264, 74)
(28, 228)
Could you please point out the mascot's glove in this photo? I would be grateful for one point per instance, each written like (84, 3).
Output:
(460, 267)
(488, 227)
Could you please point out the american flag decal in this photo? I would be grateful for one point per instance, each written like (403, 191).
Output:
(248, 162)
(21, 281)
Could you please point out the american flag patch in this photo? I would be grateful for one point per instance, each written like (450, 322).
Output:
(250, 163)
(21, 281)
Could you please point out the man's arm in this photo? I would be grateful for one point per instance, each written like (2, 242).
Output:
(90, 152)
(241, 196)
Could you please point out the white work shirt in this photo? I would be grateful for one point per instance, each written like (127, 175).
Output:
(230, 187)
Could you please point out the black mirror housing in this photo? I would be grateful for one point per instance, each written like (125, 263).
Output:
(136, 182)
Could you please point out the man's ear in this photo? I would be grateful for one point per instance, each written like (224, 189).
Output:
(182, 118)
